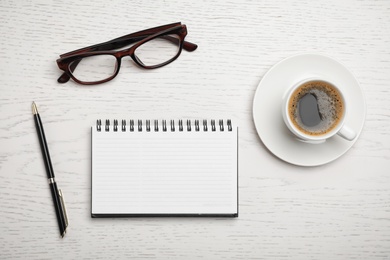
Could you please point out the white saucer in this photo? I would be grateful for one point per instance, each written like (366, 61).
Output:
(267, 109)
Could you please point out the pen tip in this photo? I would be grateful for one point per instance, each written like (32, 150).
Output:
(34, 108)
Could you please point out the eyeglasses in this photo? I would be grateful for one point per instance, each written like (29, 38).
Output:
(153, 48)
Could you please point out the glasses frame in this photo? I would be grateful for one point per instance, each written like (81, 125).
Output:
(69, 61)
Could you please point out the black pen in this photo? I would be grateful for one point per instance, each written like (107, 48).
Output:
(58, 200)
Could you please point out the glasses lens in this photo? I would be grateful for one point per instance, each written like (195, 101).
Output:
(159, 50)
(94, 68)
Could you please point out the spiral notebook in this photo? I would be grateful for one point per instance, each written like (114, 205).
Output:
(164, 168)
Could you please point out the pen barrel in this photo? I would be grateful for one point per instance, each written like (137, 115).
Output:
(58, 207)
(44, 147)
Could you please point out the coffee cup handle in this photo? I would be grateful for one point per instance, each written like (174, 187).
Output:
(347, 133)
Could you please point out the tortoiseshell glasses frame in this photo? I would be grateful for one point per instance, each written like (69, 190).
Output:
(104, 60)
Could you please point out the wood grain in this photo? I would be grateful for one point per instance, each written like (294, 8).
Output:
(336, 211)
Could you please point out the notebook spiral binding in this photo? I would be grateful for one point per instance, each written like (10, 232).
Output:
(193, 125)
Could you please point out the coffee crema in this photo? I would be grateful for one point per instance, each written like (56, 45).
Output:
(316, 108)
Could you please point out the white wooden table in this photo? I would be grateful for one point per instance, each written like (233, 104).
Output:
(336, 211)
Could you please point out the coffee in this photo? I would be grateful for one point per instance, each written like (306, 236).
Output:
(316, 108)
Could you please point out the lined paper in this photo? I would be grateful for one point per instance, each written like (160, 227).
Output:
(188, 172)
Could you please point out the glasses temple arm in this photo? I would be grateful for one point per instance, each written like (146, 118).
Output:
(117, 44)
(188, 46)
(129, 37)
(65, 77)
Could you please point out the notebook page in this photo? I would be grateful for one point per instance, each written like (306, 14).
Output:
(192, 172)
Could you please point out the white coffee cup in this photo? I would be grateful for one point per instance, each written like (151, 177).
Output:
(306, 133)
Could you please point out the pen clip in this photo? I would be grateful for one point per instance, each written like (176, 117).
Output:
(63, 207)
